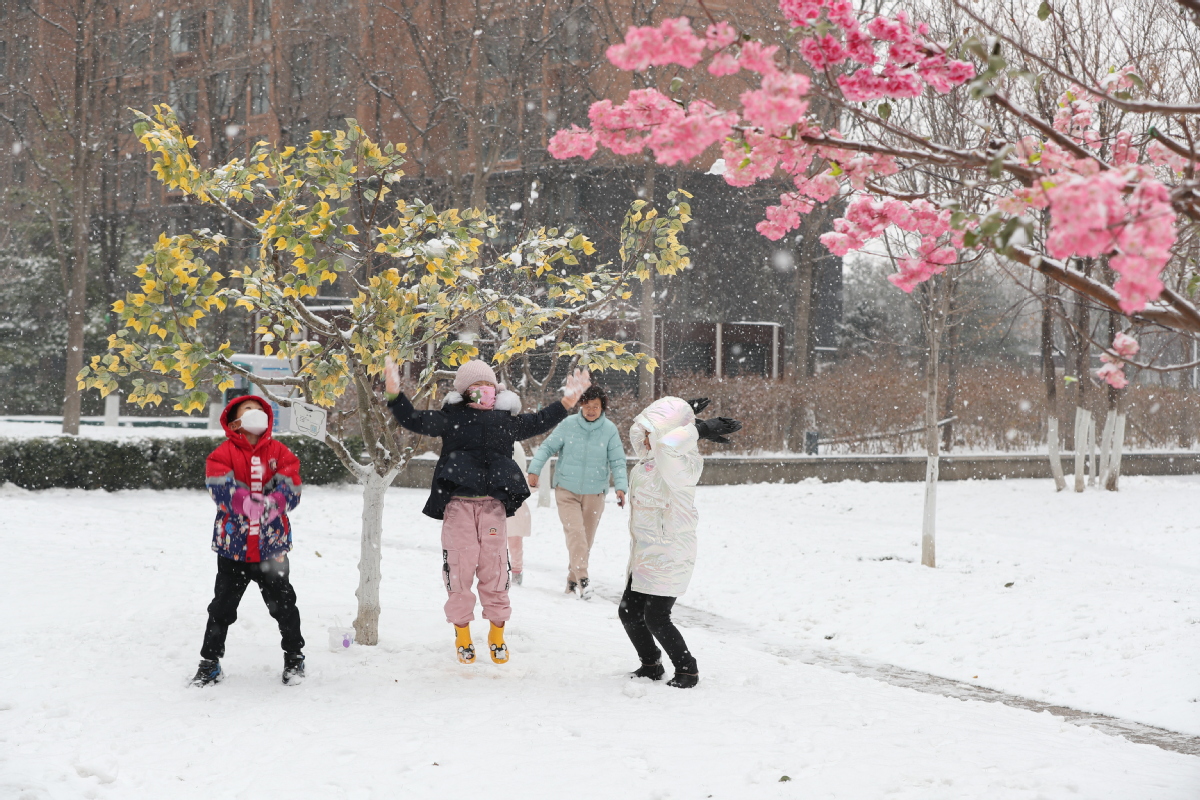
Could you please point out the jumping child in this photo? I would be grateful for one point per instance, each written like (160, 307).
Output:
(476, 487)
(662, 528)
(255, 481)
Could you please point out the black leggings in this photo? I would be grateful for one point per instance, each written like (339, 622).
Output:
(232, 579)
(647, 617)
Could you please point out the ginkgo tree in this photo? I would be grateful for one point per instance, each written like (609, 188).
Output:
(414, 279)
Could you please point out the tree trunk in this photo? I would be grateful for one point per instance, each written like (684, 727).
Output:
(1114, 458)
(928, 556)
(1106, 440)
(646, 332)
(1050, 378)
(933, 332)
(366, 624)
(1083, 423)
(80, 226)
(952, 339)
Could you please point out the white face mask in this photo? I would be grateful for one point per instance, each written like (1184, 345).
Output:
(254, 421)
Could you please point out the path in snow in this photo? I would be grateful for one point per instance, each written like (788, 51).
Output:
(931, 684)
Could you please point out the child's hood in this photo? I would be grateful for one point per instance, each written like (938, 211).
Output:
(227, 417)
(658, 419)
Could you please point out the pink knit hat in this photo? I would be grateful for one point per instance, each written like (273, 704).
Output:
(473, 372)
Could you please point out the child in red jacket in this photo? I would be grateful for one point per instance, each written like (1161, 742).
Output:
(254, 481)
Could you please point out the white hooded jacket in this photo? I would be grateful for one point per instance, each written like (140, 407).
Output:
(662, 490)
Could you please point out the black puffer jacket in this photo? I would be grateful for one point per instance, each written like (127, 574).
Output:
(477, 448)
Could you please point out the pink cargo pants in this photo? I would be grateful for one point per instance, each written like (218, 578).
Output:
(475, 544)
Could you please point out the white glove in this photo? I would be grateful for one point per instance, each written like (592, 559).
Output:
(577, 382)
(391, 376)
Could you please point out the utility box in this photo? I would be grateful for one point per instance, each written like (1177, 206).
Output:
(266, 367)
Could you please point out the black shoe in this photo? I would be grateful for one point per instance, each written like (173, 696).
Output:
(572, 587)
(585, 589)
(653, 671)
(209, 672)
(684, 680)
(293, 668)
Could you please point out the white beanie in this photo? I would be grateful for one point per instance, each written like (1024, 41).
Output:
(473, 372)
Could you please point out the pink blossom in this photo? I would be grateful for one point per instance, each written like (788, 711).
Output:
(823, 51)
(931, 259)
(1092, 215)
(759, 58)
(860, 47)
(864, 85)
(779, 104)
(649, 118)
(1122, 151)
(672, 42)
(890, 30)
(819, 187)
(1125, 345)
(574, 141)
(801, 12)
(943, 74)
(784, 217)
(842, 14)
(838, 243)
(1113, 375)
(720, 35)
(724, 63)
(745, 165)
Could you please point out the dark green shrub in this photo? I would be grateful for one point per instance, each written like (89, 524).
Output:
(176, 463)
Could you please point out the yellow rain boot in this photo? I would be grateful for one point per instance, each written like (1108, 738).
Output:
(462, 641)
(496, 644)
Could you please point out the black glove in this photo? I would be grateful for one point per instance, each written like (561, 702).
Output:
(715, 429)
(699, 404)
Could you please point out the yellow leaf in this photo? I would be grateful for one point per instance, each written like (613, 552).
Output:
(350, 230)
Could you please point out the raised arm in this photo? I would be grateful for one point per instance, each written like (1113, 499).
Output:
(426, 423)
(552, 446)
(677, 458)
(527, 425)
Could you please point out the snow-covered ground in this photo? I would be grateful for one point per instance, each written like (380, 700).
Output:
(103, 603)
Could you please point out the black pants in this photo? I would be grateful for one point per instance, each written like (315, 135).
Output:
(647, 617)
(232, 579)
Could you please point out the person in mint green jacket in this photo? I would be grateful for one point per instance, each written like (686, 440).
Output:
(589, 450)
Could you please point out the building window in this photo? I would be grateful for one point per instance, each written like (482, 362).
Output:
(183, 96)
(260, 90)
(459, 136)
(137, 44)
(227, 97)
(185, 32)
(335, 50)
(262, 20)
(225, 25)
(300, 61)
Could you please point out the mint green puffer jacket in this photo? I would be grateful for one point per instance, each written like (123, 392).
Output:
(587, 453)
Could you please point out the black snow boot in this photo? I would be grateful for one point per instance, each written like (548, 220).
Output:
(684, 680)
(209, 672)
(653, 671)
(293, 668)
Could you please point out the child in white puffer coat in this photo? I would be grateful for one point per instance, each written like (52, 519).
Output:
(662, 528)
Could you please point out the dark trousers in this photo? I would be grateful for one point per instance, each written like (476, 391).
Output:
(647, 617)
(232, 579)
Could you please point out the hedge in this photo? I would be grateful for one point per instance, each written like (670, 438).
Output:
(177, 463)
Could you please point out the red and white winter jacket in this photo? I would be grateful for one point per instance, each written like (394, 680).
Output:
(235, 472)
